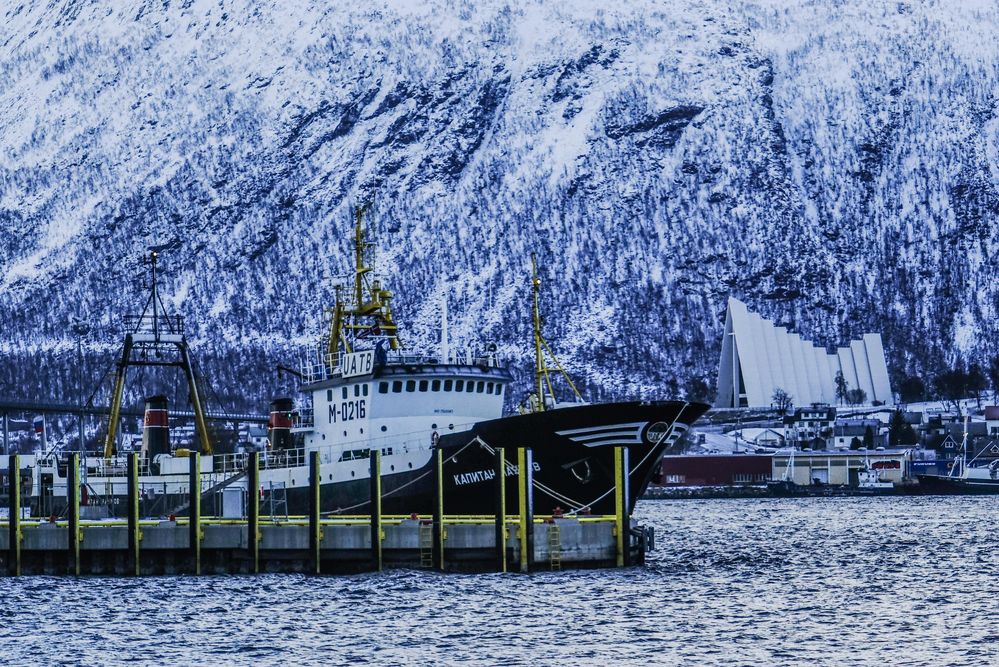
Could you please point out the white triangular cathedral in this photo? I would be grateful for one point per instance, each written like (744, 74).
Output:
(757, 358)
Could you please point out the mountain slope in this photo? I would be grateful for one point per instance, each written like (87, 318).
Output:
(835, 166)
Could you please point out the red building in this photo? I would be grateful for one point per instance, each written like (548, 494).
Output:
(716, 470)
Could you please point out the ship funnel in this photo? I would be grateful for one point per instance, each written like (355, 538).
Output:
(279, 424)
(156, 428)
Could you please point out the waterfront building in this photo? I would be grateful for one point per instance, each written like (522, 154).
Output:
(842, 467)
(758, 358)
(715, 470)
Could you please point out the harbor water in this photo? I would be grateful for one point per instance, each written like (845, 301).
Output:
(838, 581)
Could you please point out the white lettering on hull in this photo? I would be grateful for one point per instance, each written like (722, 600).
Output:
(478, 476)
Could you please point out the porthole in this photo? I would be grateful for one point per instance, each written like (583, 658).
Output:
(362, 430)
(331, 478)
(345, 434)
(351, 473)
(364, 390)
(392, 467)
(410, 464)
(329, 395)
(345, 392)
(357, 391)
(324, 436)
(293, 482)
(433, 426)
(450, 427)
(384, 428)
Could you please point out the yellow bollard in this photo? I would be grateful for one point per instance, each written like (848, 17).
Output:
(73, 512)
(376, 508)
(315, 534)
(194, 526)
(500, 510)
(134, 537)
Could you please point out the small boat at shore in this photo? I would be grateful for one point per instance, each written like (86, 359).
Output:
(964, 478)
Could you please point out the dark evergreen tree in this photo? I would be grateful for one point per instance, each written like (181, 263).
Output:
(900, 432)
(912, 389)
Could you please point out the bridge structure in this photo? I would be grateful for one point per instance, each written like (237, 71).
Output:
(11, 406)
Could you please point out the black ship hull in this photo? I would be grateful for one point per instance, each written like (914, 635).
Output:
(572, 452)
(956, 486)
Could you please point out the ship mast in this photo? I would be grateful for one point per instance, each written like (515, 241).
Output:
(542, 372)
(368, 313)
(156, 339)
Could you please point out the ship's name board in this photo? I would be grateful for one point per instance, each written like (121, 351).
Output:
(358, 363)
(477, 476)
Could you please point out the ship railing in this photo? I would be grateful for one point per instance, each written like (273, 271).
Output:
(117, 466)
(305, 417)
(318, 369)
(173, 324)
(313, 371)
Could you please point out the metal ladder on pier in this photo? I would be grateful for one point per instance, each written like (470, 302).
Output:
(554, 546)
(278, 497)
(426, 545)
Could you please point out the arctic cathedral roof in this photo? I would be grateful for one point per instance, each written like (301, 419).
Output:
(757, 358)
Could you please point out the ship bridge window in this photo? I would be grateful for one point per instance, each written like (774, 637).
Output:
(435, 385)
(410, 385)
(459, 385)
(423, 385)
(396, 386)
(489, 387)
(383, 387)
(345, 392)
(480, 387)
(447, 385)
(470, 385)
(499, 389)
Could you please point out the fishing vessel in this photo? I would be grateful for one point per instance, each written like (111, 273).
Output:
(964, 477)
(364, 391)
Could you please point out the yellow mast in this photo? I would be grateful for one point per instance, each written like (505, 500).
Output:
(378, 307)
(539, 361)
(542, 376)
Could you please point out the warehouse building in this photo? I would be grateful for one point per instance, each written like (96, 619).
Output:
(841, 467)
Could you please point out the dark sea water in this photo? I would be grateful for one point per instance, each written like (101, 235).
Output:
(830, 581)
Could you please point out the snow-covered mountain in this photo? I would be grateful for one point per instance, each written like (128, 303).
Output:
(834, 164)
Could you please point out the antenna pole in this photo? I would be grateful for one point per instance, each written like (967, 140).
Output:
(156, 329)
(445, 343)
(539, 361)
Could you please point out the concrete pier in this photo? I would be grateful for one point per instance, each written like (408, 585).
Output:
(317, 543)
(345, 546)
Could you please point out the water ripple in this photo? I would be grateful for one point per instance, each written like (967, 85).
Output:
(841, 581)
